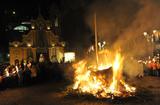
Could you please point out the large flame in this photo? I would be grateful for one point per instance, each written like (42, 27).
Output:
(99, 81)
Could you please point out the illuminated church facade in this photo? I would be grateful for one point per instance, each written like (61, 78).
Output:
(40, 40)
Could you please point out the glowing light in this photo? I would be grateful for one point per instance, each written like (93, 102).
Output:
(99, 43)
(21, 28)
(145, 33)
(33, 27)
(13, 12)
(6, 72)
(154, 31)
(92, 81)
(8, 55)
(63, 44)
(29, 45)
(53, 45)
(69, 57)
(48, 27)
(104, 42)
(25, 22)
(15, 45)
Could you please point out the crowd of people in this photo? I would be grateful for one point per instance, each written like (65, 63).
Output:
(152, 65)
(25, 73)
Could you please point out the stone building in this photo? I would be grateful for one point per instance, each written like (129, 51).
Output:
(41, 39)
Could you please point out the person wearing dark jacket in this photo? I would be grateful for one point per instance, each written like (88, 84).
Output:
(27, 74)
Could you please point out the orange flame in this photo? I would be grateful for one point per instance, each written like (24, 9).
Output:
(88, 79)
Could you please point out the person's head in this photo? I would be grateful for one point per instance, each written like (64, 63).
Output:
(41, 55)
(29, 64)
(16, 62)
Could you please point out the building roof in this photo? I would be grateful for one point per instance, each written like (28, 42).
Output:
(41, 34)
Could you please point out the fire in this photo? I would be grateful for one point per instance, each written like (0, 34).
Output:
(104, 81)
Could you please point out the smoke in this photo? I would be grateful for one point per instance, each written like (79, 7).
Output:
(146, 19)
(122, 23)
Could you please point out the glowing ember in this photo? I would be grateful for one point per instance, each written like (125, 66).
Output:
(100, 82)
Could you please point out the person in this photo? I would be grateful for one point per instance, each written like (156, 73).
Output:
(158, 68)
(154, 67)
(1, 82)
(19, 73)
(33, 74)
(13, 78)
(149, 66)
(27, 74)
(41, 58)
(54, 59)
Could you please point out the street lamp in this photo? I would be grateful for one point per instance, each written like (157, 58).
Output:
(29, 45)
(48, 27)
(16, 45)
(33, 27)
(154, 31)
(13, 12)
(101, 45)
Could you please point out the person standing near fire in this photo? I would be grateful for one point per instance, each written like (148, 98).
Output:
(154, 66)
(27, 73)
(19, 71)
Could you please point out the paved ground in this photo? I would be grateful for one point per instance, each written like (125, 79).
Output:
(51, 94)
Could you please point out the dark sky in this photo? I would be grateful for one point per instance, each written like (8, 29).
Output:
(116, 20)
(71, 12)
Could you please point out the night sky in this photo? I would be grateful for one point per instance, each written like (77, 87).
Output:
(71, 13)
(116, 20)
